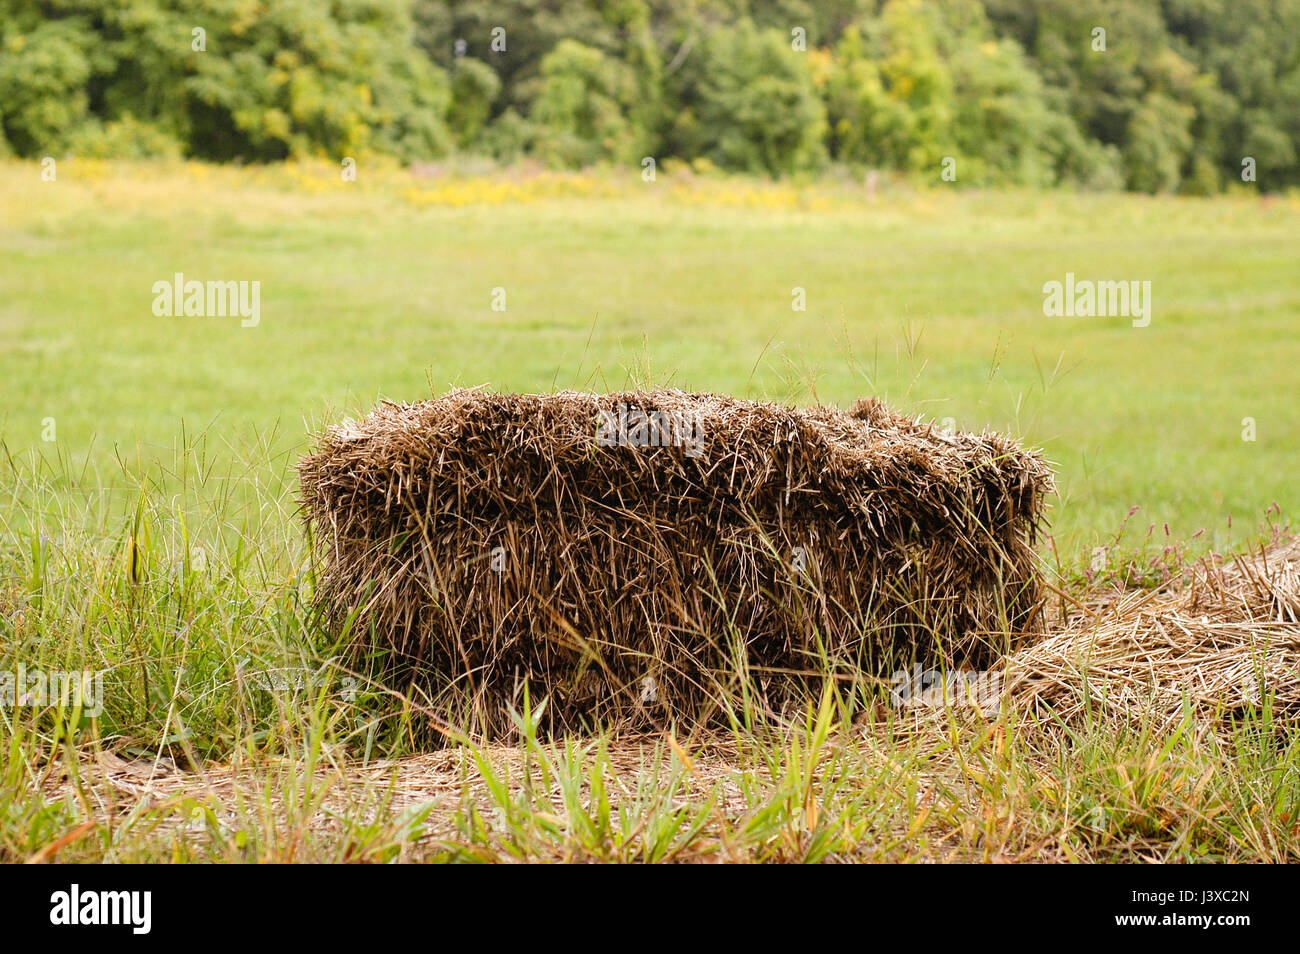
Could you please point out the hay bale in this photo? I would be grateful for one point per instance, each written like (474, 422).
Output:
(662, 553)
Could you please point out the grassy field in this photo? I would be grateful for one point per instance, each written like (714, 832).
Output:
(155, 537)
(932, 300)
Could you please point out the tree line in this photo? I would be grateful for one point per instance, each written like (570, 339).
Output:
(1148, 95)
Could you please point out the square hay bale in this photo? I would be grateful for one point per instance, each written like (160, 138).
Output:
(663, 555)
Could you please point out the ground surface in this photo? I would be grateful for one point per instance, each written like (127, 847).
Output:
(1151, 725)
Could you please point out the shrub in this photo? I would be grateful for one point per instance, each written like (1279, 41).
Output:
(582, 107)
(748, 101)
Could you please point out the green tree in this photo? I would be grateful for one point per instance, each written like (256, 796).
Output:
(224, 78)
(44, 71)
(474, 88)
(582, 109)
(747, 101)
(892, 98)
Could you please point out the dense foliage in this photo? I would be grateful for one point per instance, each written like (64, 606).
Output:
(1150, 95)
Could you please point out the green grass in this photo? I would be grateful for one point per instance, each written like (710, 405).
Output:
(933, 300)
(177, 435)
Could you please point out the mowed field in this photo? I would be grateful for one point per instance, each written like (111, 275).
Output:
(933, 300)
(149, 535)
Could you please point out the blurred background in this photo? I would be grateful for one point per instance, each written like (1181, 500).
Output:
(794, 201)
(1148, 95)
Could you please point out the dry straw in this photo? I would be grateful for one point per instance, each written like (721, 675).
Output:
(1223, 644)
(663, 555)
